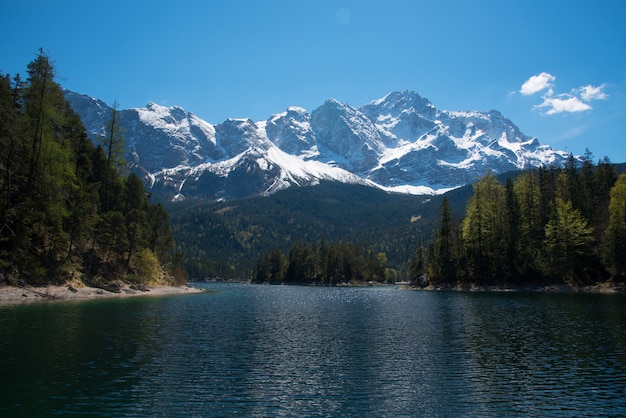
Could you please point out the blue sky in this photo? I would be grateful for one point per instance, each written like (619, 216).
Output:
(557, 69)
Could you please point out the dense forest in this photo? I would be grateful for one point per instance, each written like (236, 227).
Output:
(548, 226)
(554, 225)
(324, 264)
(69, 209)
(225, 239)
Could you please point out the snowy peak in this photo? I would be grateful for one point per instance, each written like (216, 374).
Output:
(346, 136)
(235, 136)
(400, 142)
(401, 117)
(291, 132)
(398, 103)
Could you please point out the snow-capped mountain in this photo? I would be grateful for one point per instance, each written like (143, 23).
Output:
(400, 143)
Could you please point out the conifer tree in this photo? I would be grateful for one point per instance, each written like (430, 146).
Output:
(302, 263)
(63, 204)
(417, 264)
(604, 177)
(443, 263)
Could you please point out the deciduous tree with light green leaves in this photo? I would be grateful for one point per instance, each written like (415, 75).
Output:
(484, 229)
(567, 242)
(614, 246)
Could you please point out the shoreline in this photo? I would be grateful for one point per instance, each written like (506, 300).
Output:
(13, 295)
(602, 288)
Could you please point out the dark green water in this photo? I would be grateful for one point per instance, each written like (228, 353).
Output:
(304, 351)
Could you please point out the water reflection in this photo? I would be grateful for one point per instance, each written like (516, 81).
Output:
(285, 351)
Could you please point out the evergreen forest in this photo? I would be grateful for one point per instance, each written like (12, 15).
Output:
(548, 226)
(69, 209)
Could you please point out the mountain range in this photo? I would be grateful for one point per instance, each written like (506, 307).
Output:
(399, 143)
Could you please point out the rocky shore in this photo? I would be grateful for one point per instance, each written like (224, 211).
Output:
(29, 294)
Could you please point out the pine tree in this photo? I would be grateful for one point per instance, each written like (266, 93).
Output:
(417, 264)
(443, 264)
(63, 204)
(604, 177)
(302, 264)
(160, 237)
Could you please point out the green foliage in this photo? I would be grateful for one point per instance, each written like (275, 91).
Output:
(537, 228)
(567, 242)
(444, 258)
(417, 264)
(147, 266)
(226, 239)
(614, 248)
(302, 264)
(484, 230)
(530, 225)
(324, 264)
(63, 204)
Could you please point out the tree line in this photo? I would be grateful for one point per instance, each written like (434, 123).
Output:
(67, 207)
(552, 225)
(324, 264)
(226, 239)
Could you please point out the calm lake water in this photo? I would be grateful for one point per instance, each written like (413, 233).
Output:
(302, 351)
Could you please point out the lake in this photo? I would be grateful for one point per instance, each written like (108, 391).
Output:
(253, 350)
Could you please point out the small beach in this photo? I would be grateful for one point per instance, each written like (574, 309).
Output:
(31, 294)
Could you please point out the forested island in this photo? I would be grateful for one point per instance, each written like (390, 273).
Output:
(69, 209)
(547, 226)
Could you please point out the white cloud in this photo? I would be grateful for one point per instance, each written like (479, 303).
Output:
(575, 101)
(590, 92)
(537, 83)
(563, 104)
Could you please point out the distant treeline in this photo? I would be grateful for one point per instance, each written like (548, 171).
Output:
(65, 209)
(552, 225)
(226, 239)
(325, 264)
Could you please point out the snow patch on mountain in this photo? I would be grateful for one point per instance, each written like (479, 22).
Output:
(400, 143)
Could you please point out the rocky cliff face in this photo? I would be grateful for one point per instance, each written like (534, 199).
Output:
(400, 142)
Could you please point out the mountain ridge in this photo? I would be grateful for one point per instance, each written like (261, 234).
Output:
(398, 143)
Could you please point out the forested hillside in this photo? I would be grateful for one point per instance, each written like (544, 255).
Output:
(69, 209)
(548, 226)
(225, 239)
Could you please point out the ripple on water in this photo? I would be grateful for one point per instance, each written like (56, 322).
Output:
(285, 351)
